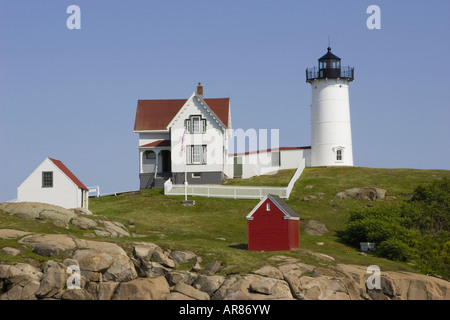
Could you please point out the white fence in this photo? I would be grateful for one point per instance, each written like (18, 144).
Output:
(235, 192)
(294, 179)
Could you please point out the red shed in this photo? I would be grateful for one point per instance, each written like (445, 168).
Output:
(272, 226)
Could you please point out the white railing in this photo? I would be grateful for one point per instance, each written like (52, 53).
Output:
(234, 192)
(217, 191)
(95, 189)
(294, 179)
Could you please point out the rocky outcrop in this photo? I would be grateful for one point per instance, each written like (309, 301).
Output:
(364, 193)
(146, 271)
(81, 269)
(60, 216)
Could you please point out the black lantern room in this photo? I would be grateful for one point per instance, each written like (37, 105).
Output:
(329, 68)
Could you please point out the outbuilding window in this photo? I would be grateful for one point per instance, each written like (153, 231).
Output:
(47, 179)
(268, 206)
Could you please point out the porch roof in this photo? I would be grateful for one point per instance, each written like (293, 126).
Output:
(157, 143)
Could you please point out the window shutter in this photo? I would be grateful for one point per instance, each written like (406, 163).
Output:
(187, 125)
(204, 155)
(188, 154)
(203, 125)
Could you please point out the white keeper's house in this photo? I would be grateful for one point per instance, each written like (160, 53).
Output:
(191, 137)
(52, 182)
(179, 137)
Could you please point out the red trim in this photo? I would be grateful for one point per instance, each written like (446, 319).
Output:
(69, 174)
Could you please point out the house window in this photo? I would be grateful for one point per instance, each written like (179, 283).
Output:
(47, 179)
(196, 154)
(196, 175)
(151, 155)
(195, 124)
(268, 206)
(339, 155)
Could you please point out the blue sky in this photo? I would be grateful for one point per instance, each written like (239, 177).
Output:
(72, 94)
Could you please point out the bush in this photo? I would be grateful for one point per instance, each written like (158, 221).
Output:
(395, 249)
(417, 231)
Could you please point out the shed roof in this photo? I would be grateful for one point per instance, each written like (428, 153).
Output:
(280, 203)
(157, 114)
(69, 174)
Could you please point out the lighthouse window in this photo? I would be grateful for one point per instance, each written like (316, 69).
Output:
(339, 155)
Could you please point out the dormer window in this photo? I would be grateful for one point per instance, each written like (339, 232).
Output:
(195, 124)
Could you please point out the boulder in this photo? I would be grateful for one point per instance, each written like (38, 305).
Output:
(54, 280)
(116, 229)
(269, 271)
(76, 294)
(190, 291)
(12, 234)
(38, 210)
(209, 284)
(144, 250)
(83, 223)
(20, 273)
(186, 277)
(106, 258)
(212, 267)
(82, 211)
(46, 250)
(314, 227)
(142, 289)
(106, 290)
(183, 256)
(364, 193)
(19, 292)
(176, 296)
(59, 242)
(10, 251)
(241, 287)
(163, 258)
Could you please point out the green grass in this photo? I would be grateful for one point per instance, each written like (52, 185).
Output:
(276, 179)
(216, 228)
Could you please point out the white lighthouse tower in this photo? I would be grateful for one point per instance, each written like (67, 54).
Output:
(331, 136)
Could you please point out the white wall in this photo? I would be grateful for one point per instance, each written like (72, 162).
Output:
(64, 193)
(149, 137)
(330, 123)
(255, 164)
(213, 139)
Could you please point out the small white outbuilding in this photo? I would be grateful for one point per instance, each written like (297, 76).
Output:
(52, 182)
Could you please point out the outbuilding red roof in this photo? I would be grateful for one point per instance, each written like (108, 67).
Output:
(69, 174)
(157, 114)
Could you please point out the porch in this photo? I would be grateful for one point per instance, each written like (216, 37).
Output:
(155, 165)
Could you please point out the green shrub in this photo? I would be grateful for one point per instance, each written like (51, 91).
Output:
(395, 249)
(417, 231)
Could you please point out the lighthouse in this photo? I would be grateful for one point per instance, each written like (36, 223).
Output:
(331, 136)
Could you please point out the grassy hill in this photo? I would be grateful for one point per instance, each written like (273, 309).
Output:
(217, 228)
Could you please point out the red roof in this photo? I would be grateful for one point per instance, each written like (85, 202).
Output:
(157, 143)
(157, 114)
(69, 174)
